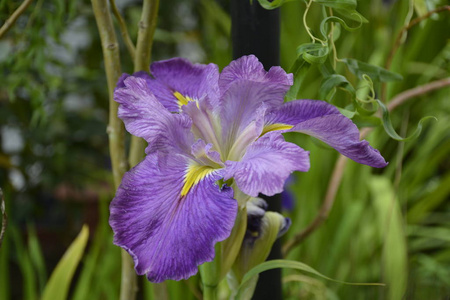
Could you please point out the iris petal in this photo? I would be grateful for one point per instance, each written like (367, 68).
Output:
(251, 69)
(245, 87)
(266, 165)
(169, 235)
(179, 77)
(324, 122)
(144, 116)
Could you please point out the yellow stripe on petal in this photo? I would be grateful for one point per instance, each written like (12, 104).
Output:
(182, 100)
(194, 174)
(275, 127)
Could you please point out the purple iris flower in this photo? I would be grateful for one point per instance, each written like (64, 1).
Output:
(211, 139)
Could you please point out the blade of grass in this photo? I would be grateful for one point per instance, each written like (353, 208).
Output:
(58, 285)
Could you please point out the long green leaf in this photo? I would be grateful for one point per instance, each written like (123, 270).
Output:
(390, 224)
(25, 265)
(36, 257)
(290, 264)
(57, 287)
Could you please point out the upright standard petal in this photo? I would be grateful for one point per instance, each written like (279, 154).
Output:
(177, 81)
(324, 122)
(251, 69)
(266, 165)
(144, 116)
(245, 86)
(168, 215)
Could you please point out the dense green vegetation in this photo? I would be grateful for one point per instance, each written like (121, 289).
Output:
(387, 226)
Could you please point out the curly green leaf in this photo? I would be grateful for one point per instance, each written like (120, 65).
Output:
(330, 83)
(360, 68)
(323, 27)
(352, 15)
(387, 124)
(313, 53)
(274, 4)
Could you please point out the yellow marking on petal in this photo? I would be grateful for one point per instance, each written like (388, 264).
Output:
(182, 100)
(275, 127)
(194, 174)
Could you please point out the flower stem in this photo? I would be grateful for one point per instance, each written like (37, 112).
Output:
(147, 26)
(110, 47)
(13, 18)
(209, 292)
(123, 29)
(116, 130)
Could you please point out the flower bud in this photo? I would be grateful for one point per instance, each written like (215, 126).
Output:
(263, 228)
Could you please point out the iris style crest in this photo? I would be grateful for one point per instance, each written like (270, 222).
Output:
(203, 128)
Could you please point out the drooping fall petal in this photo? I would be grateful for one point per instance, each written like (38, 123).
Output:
(170, 230)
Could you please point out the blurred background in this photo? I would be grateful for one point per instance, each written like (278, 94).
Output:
(390, 225)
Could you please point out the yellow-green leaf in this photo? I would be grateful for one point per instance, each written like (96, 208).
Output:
(58, 285)
(284, 263)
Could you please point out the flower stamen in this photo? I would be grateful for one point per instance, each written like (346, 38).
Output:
(182, 100)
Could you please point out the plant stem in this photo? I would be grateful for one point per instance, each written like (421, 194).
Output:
(209, 292)
(308, 30)
(13, 18)
(116, 130)
(110, 47)
(123, 30)
(147, 26)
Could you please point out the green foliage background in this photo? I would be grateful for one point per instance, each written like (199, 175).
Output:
(390, 225)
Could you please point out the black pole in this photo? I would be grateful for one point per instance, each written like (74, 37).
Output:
(255, 30)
